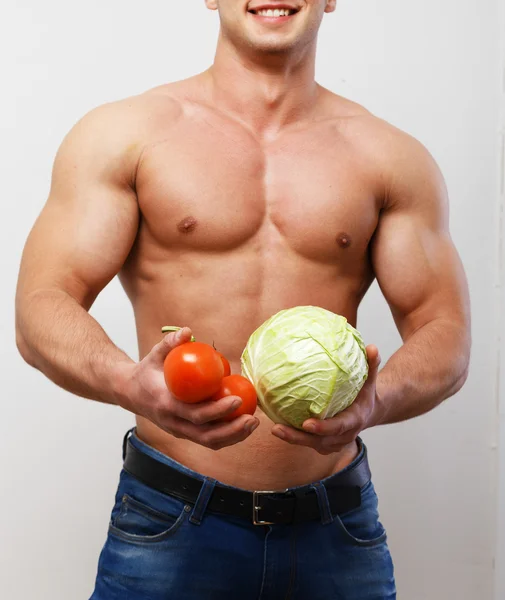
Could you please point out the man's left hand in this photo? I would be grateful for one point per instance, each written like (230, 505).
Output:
(332, 435)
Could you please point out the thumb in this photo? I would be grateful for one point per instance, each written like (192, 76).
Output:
(374, 361)
(169, 342)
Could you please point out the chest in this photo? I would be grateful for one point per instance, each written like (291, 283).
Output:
(213, 187)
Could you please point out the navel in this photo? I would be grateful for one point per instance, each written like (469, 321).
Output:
(187, 225)
(344, 240)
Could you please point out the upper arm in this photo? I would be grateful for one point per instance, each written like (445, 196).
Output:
(414, 259)
(89, 222)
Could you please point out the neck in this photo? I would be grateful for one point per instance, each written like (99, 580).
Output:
(264, 91)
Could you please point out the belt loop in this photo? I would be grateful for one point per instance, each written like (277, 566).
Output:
(202, 501)
(125, 440)
(324, 503)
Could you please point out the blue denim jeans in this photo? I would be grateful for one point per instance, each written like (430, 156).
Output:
(160, 548)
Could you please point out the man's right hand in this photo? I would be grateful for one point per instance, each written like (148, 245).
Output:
(144, 392)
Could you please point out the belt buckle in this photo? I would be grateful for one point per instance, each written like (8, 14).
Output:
(257, 506)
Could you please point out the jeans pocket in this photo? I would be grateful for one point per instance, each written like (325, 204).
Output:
(361, 526)
(136, 521)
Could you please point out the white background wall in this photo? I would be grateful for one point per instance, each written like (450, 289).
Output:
(431, 68)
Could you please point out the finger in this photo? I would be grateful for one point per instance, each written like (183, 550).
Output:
(323, 445)
(223, 438)
(294, 436)
(339, 441)
(205, 412)
(346, 420)
(169, 342)
(217, 435)
(374, 361)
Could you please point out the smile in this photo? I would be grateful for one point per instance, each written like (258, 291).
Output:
(271, 13)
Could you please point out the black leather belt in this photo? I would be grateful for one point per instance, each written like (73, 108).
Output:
(263, 507)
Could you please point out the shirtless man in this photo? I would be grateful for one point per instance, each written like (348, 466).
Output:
(220, 200)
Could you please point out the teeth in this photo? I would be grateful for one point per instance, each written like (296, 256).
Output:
(278, 12)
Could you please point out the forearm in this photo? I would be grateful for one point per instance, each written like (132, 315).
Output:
(430, 367)
(58, 337)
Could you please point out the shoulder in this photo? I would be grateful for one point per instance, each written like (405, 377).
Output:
(373, 133)
(115, 134)
(401, 162)
(131, 117)
(412, 177)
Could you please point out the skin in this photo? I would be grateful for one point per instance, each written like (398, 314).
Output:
(220, 200)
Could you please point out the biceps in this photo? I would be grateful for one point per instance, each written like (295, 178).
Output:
(419, 272)
(79, 242)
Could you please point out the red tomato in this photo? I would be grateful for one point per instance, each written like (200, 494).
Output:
(226, 364)
(193, 372)
(236, 385)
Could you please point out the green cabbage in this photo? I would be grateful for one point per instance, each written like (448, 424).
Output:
(305, 362)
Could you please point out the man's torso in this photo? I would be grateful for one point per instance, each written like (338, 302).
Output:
(236, 226)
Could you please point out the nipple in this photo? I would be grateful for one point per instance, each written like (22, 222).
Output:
(187, 225)
(344, 240)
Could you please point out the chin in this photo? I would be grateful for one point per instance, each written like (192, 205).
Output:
(272, 48)
(272, 44)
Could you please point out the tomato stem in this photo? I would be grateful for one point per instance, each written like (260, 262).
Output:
(169, 328)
